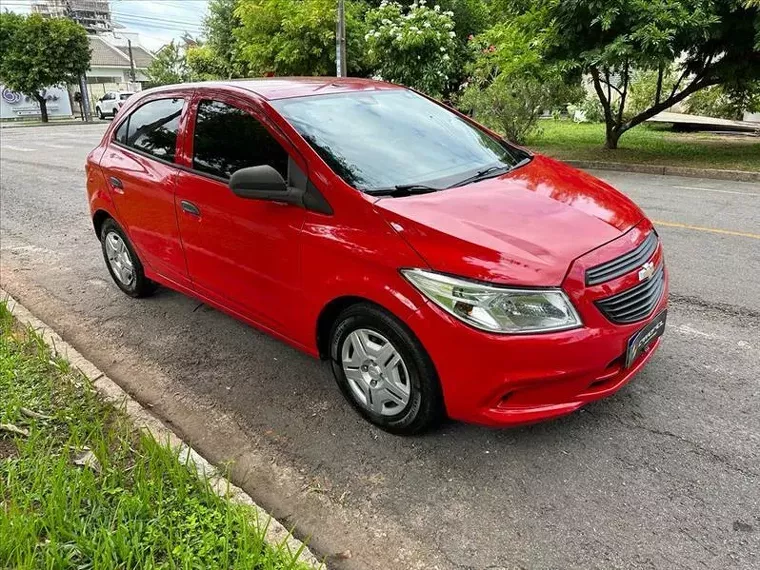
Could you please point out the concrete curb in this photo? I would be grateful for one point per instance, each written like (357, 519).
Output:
(276, 533)
(736, 175)
(54, 123)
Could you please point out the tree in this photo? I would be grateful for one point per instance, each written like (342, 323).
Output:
(36, 53)
(412, 46)
(221, 40)
(297, 37)
(510, 84)
(203, 64)
(169, 66)
(711, 43)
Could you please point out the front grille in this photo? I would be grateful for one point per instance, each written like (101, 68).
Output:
(636, 303)
(623, 264)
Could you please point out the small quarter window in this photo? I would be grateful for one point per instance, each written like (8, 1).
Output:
(121, 132)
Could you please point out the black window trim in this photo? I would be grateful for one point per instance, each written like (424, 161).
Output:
(325, 209)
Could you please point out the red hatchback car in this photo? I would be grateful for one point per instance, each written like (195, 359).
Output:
(440, 269)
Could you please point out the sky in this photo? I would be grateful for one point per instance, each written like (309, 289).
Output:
(157, 21)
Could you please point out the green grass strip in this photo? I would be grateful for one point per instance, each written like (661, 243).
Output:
(136, 506)
(647, 144)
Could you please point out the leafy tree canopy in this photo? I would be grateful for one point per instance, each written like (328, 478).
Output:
(36, 53)
(169, 66)
(297, 37)
(221, 41)
(712, 42)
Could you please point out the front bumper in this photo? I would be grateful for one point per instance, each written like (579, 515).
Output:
(503, 380)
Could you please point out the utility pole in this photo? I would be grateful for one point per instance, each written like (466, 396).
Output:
(340, 40)
(85, 101)
(131, 63)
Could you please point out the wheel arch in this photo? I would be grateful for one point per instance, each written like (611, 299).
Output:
(98, 219)
(327, 317)
(335, 307)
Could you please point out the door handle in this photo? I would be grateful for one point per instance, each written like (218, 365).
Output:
(116, 184)
(190, 208)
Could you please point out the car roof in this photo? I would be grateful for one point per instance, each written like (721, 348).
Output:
(273, 88)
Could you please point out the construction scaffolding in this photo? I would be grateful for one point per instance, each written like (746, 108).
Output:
(93, 15)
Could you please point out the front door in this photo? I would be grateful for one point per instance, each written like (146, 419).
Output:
(139, 168)
(243, 253)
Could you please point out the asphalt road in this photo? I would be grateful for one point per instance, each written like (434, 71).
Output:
(666, 474)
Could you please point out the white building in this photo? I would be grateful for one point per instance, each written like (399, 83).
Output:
(110, 67)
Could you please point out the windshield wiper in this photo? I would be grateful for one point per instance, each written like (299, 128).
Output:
(403, 190)
(491, 172)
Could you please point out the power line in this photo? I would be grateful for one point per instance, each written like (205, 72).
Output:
(156, 19)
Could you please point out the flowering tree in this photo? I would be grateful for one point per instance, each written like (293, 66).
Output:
(414, 46)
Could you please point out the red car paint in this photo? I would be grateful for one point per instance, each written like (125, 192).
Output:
(281, 268)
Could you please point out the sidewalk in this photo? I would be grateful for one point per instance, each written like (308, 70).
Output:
(51, 123)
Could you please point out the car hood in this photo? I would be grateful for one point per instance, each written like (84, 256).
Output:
(523, 228)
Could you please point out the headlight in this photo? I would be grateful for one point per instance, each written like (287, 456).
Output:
(497, 309)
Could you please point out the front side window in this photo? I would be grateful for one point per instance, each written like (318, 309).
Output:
(153, 127)
(227, 139)
(377, 140)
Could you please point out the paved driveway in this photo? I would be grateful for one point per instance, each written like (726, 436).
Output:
(664, 475)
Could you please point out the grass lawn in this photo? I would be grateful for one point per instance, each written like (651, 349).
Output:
(647, 144)
(134, 506)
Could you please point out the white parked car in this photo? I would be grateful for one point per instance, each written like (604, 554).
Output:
(111, 102)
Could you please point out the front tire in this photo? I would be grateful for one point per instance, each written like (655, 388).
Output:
(384, 372)
(123, 264)
(99, 111)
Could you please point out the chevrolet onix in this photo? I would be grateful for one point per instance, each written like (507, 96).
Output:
(440, 269)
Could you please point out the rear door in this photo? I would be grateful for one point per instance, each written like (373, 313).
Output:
(243, 253)
(139, 167)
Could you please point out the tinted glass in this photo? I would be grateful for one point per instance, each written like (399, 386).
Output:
(121, 132)
(153, 128)
(227, 139)
(383, 139)
(125, 96)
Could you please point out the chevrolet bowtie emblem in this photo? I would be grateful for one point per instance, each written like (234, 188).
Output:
(646, 271)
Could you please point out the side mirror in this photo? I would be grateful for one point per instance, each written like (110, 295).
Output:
(264, 183)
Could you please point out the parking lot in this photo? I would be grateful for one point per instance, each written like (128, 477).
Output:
(666, 474)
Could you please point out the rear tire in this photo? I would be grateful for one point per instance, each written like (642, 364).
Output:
(384, 372)
(123, 264)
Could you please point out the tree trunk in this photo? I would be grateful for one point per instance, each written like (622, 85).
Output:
(613, 136)
(43, 107)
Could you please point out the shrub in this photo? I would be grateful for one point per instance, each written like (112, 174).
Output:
(510, 85)
(511, 108)
(413, 46)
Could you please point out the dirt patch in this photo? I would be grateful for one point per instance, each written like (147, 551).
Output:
(7, 449)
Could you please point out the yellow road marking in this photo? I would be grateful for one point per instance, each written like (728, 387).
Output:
(702, 229)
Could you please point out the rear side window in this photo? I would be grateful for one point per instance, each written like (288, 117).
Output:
(153, 127)
(227, 139)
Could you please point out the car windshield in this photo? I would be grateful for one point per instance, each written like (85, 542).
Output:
(386, 139)
(125, 96)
